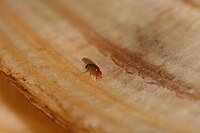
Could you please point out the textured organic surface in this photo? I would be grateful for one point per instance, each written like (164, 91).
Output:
(18, 116)
(148, 51)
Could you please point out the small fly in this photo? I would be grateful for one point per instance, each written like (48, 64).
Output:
(92, 67)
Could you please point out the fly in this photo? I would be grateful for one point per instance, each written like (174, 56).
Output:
(92, 67)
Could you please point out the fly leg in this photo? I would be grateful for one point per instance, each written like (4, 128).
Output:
(97, 76)
(90, 75)
(85, 71)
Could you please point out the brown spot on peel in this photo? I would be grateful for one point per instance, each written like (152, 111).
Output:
(128, 60)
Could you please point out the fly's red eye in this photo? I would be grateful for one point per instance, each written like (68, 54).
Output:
(96, 70)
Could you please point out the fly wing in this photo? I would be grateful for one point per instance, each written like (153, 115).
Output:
(88, 61)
